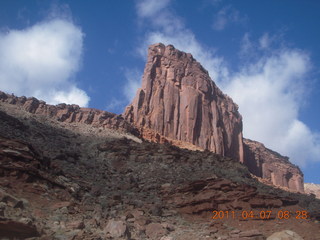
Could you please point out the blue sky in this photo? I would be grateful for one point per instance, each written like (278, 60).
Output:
(264, 54)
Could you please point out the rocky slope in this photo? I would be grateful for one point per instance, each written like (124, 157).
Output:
(62, 180)
(180, 104)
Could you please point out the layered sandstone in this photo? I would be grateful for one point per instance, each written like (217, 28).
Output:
(271, 166)
(70, 113)
(178, 100)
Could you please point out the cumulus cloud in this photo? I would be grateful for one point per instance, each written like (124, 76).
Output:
(42, 60)
(269, 93)
(268, 87)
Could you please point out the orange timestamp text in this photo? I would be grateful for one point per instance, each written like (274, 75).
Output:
(263, 214)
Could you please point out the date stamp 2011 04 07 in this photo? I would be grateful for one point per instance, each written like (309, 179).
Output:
(263, 214)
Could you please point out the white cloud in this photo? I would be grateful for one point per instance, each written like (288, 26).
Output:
(41, 61)
(133, 77)
(268, 87)
(264, 41)
(169, 29)
(73, 95)
(157, 15)
(148, 8)
(269, 96)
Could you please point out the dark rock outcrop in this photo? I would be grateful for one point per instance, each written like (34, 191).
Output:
(178, 100)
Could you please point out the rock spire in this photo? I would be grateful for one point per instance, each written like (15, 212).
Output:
(178, 100)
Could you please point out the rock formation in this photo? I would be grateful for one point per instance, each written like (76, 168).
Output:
(180, 104)
(62, 177)
(271, 166)
(179, 101)
(70, 113)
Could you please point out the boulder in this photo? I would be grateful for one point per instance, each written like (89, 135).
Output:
(155, 230)
(116, 228)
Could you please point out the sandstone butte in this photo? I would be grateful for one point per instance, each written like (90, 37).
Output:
(178, 102)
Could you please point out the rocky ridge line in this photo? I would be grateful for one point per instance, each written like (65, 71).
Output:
(70, 113)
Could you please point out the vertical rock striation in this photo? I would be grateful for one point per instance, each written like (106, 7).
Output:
(271, 166)
(178, 100)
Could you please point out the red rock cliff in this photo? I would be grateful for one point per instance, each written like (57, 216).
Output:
(271, 166)
(178, 100)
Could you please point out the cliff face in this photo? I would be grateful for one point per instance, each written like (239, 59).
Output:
(179, 101)
(271, 166)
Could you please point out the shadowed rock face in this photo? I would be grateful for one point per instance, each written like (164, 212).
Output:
(271, 166)
(178, 100)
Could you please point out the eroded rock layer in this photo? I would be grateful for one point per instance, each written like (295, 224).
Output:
(178, 100)
(271, 166)
(70, 113)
